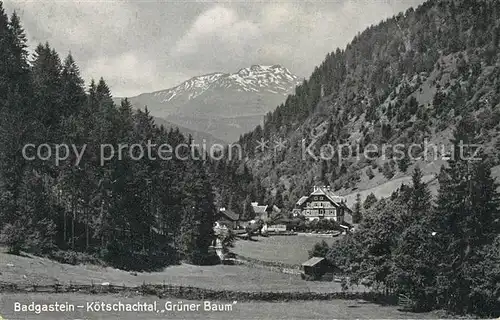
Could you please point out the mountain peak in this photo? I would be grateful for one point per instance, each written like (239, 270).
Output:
(265, 68)
(224, 105)
(274, 79)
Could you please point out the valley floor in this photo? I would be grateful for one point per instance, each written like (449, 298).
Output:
(35, 270)
(284, 249)
(41, 271)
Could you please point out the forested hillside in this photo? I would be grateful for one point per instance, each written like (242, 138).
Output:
(441, 254)
(405, 81)
(132, 212)
(430, 75)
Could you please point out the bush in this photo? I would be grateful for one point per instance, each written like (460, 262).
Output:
(388, 170)
(369, 173)
(322, 225)
(12, 238)
(118, 255)
(370, 200)
(40, 239)
(297, 224)
(74, 258)
(320, 249)
(403, 164)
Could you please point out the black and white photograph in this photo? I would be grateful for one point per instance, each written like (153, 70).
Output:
(249, 159)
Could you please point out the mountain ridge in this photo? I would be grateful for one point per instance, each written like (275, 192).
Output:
(204, 103)
(242, 78)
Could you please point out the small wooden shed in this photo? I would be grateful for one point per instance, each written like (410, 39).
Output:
(229, 218)
(314, 268)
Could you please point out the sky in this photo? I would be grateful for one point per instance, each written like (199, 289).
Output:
(149, 45)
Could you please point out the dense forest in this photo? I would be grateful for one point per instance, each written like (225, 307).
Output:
(134, 214)
(410, 78)
(442, 253)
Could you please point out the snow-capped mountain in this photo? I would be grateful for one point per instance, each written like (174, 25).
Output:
(222, 104)
(273, 79)
(189, 89)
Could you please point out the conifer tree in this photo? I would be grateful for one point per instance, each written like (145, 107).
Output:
(5, 54)
(415, 264)
(16, 118)
(466, 217)
(357, 215)
(278, 199)
(370, 200)
(19, 46)
(248, 212)
(419, 197)
(73, 92)
(198, 213)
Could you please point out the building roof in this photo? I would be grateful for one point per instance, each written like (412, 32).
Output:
(349, 210)
(326, 191)
(230, 215)
(259, 209)
(302, 200)
(312, 262)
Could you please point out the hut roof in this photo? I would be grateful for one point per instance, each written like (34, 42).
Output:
(313, 261)
(230, 215)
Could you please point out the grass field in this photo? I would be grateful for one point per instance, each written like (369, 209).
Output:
(36, 270)
(284, 249)
(334, 309)
(29, 269)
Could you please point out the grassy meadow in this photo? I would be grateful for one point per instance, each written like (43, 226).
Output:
(31, 269)
(36, 270)
(284, 249)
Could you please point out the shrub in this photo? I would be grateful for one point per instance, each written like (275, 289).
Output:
(370, 201)
(74, 258)
(12, 238)
(320, 249)
(403, 164)
(388, 170)
(369, 173)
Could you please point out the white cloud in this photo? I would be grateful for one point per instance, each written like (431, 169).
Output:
(218, 28)
(130, 74)
(278, 14)
(77, 22)
(294, 34)
(141, 46)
